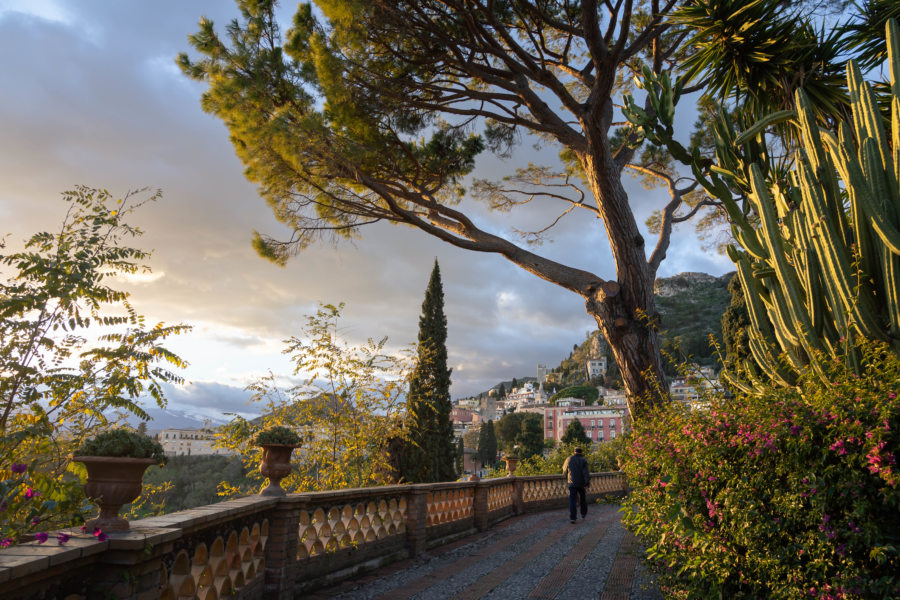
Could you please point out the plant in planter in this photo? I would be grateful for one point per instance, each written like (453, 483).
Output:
(512, 461)
(115, 462)
(278, 444)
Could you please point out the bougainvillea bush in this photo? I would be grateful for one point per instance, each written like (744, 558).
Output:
(788, 494)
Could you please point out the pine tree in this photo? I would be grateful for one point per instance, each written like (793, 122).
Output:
(502, 393)
(514, 384)
(432, 452)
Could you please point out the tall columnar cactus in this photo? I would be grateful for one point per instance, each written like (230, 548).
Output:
(823, 263)
(817, 253)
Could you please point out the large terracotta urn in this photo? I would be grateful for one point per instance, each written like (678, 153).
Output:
(276, 465)
(112, 481)
(511, 463)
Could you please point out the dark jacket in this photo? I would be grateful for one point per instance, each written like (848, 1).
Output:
(576, 468)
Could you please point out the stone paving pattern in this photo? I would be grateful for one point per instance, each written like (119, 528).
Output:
(540, 556)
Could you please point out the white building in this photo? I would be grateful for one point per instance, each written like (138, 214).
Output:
(527, 394)
(596, 367)
(190, 442)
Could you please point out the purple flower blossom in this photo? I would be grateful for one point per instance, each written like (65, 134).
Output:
(31, 493)
(795, 429)
(18, 467)
(62, 538)
(101, 537)
(5, 542)
(40, 537)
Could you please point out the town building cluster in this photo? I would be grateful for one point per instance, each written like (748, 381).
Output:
(602, 421)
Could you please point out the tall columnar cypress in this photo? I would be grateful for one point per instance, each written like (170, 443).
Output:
(431, 453)
(735, 327)
(487, 444)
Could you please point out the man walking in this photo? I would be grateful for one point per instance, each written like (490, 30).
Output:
(578, 474)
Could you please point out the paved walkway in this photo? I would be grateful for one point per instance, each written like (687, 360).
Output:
(537, 556)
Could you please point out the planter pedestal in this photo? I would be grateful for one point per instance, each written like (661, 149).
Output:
(112, 481)
(276, 465)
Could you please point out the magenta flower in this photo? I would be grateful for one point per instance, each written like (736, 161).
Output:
(18, 468)
(31, 493)
(101, 537)
(5, 542)
(62, 538)
(40, 537)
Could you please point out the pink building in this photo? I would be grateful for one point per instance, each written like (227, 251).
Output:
(600, 422)
(461, 415)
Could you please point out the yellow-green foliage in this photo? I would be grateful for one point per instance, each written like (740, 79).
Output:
(57, 389)
(348, 408)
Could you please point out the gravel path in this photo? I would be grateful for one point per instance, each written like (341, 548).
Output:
(538, 556)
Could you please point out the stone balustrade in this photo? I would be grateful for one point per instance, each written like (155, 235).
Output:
(275, 548)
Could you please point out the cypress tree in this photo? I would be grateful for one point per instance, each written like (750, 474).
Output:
(431, 455)
(735, 325)
(490, 452)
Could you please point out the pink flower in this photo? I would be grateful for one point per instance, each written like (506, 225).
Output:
(5, 542)
(40, 537)
(101, 537)
(62, 538)
(31, 493)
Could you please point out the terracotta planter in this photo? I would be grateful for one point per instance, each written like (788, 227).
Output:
(276, 465)
(112, 481)
(511, 463)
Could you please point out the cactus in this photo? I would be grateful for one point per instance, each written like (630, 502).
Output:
(823, 266)
(818, 256)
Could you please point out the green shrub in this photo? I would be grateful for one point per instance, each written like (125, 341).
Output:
(602, 457)
(588, 393)
(787, 494)
(122, 443)
(277, 435)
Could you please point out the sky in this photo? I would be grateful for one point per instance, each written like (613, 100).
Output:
(91, 96)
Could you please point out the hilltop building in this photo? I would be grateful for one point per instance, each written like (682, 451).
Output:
(190, 442)
(596, 367)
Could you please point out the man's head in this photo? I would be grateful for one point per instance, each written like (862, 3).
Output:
(577, 450)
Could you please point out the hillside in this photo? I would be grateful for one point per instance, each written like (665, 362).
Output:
(690, 307)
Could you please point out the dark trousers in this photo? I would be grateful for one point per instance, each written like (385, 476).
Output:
(577, 493)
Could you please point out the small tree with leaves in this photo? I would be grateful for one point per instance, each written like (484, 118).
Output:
(73, 351)
(347, 409)
(575, 434)
(530, 439)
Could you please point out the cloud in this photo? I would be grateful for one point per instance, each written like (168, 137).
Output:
(99, 101)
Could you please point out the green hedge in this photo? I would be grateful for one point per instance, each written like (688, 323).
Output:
(790, 494)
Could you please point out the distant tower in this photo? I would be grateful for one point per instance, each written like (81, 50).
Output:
(542, 371)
